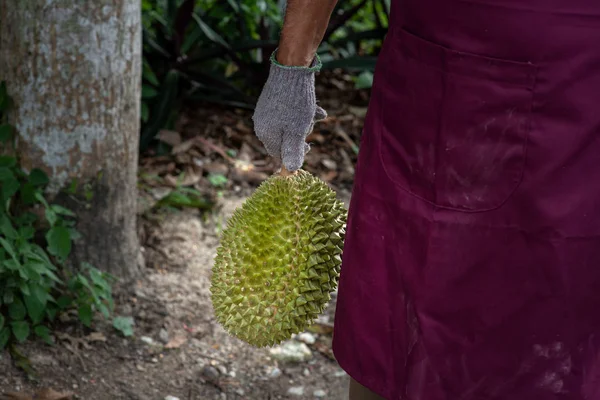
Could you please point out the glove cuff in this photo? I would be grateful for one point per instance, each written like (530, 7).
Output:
(314, 67)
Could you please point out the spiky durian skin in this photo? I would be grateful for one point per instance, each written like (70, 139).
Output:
(279, 259)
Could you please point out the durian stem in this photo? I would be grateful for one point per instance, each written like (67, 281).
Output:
(284, 172)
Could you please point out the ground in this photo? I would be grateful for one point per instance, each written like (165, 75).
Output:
(178, 349)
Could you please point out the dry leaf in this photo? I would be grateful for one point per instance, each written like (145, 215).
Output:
(171, 138)
(43, 394)
(16, 396)
(176, 342)
(184, 146)
(50, 394)
(96, 337)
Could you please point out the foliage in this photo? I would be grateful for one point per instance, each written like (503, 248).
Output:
(218, 51)
(35, 241)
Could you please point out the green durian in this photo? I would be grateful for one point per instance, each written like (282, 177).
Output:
(279, 259)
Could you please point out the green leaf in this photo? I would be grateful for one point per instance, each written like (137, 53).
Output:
(17, 310)
(104, 310)
(4, 337)
(7, 229)
(35, 309)
(28, 192)
(148, 92)
(1, 321)
(149, 75)
(9, 248)
(124, 325)
(59, 242)
(85, 314)
(6, 133)
(51, 216)
(27, 232)
(24, 288)
(209, 32)
(21, 330)
(62, 211)
(9, 188)
(43, 333)
(364, 80)
(6, 174)
(145, 112)
(37, 177)
(64, 302)
(7, 161)
(8, 297)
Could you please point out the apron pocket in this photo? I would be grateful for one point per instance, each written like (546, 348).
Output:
(453, 126)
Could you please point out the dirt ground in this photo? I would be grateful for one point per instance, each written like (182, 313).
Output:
(178, 350)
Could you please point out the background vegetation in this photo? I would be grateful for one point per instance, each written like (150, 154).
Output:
(217, 51)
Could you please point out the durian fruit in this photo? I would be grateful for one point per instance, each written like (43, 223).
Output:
(279, 259)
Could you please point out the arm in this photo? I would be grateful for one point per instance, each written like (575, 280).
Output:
(287, 108)
(303, 30)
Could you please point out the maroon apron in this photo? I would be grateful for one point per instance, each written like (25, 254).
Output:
(471, 267)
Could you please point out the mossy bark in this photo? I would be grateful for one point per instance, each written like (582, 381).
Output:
(73, 69)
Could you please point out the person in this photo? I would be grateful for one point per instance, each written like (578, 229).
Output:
(471, 266)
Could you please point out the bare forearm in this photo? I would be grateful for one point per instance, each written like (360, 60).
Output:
(303, 30)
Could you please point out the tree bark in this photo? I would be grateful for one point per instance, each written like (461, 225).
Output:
(73, 69)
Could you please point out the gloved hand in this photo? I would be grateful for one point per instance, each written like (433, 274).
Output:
(286, 112)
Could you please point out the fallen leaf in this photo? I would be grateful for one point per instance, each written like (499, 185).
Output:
(242, 127)
(184, 146)
(96, 337)
(16, 396)
(43, 394)
(171, 138)
(50, 394)
(176, 342)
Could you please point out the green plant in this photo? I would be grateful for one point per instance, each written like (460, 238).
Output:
(35, 242)
(218, 51)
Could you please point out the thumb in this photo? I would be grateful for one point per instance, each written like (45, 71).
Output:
(320, 114)
(293, 150)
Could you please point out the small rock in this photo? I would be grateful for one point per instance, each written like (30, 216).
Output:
(171, 398)
(210, 373)
(307, 338)
(163, 335)
(274, 373)
(140, 368)
(296, 391)
(240, 392)
(340, 373)
(223, 396)
(75, 386)
(232, 374)
(291, 351)
(147, 340)
(319, 393)
(306, 372)
(154, 360)
(222, 369)
(329, 164)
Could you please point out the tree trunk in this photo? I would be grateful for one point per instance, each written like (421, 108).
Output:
(73, 69)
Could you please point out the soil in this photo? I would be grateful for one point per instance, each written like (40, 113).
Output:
(193, 358)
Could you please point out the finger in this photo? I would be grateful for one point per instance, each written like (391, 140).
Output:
(292, 152)
(320, 114)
